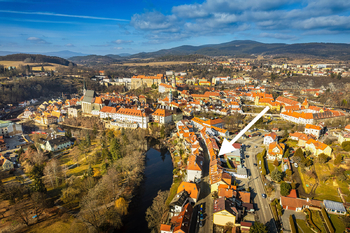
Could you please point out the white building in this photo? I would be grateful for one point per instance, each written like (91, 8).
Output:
(9, 128)
(269, 138)
(313, 130)
(133, 115)
(194, 168)
(162, 116)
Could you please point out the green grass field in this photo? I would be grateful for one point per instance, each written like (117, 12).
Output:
(302, 227)
(337, 223)
(173, 190)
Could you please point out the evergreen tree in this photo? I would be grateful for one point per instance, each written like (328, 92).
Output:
(285, 188)
(88, 140)
(115, 149)
(90, 171)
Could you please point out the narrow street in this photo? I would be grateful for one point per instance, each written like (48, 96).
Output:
(204, 198)
(263, 210)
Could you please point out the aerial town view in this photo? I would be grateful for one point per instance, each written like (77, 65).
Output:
(209, 116)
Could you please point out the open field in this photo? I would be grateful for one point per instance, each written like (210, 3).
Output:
(328, 189)
(49, 66)
(337, 223)
(302, 227)
(165, 63)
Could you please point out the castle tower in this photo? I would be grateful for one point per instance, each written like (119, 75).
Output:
(173, 82)
(170, 96)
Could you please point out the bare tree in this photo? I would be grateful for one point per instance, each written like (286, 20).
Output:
(155, 212)
(53, 171)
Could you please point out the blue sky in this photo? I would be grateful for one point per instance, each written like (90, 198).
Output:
(131, 26)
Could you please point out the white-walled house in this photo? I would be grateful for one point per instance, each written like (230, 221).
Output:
(313, 130)
(194, 168)
(270, 138)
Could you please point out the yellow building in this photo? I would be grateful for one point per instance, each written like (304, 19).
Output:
(224, 212)
(267, 102)
(204, 83)
(148, 81)
(343, 137)
(317, 147)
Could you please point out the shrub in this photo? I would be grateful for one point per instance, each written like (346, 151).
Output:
(338, 159)
(323, 158)
(346, 145)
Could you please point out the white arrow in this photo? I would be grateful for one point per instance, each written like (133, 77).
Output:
(227, 147)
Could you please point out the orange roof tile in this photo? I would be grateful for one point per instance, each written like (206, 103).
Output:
(309, 126)
(191, 188)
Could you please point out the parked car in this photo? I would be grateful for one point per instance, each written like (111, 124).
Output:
(296, 165)
(263, 195)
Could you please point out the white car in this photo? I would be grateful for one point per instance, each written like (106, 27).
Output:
(296, 165)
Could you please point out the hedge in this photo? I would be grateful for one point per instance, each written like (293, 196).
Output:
(292, 224)
(309, 220)
(261, 157)
(328, 222)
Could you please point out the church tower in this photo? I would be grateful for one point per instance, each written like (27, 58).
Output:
(170, 96)
(173, 82)
(84, 87)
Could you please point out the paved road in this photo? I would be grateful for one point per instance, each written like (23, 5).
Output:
(205, 196)
(264, 213)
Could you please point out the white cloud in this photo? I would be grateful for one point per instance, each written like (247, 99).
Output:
(118, 48)
(69, 45)
(122, 41)
(219, 17)
(37, 40)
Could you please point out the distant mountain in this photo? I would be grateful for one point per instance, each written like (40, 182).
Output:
(64, 54)
(36, 58)
(114, 56)
(248, 48)
(125, 54)
(95, 59)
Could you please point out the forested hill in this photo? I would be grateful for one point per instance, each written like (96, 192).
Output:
(36, 58)
(243, 48)
(95, 59)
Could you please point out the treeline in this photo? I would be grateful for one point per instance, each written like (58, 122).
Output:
(99, 196)
(25, 89)
(36, 58)
(191, 57)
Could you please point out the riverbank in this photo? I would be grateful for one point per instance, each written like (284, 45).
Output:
(157, 176)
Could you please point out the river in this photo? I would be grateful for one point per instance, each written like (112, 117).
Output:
(158, 176)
